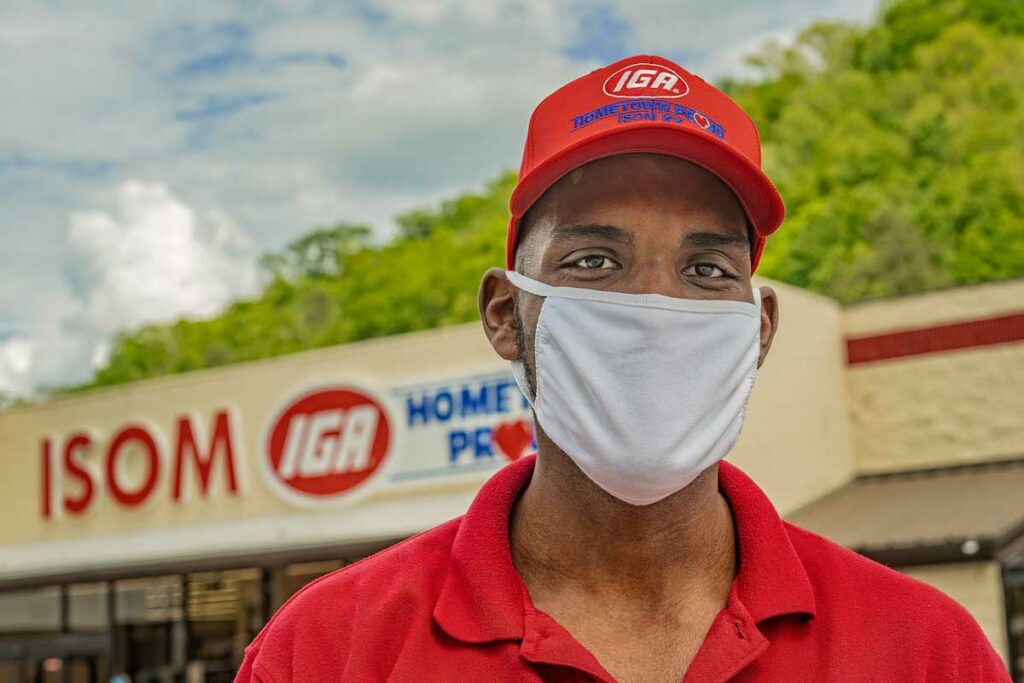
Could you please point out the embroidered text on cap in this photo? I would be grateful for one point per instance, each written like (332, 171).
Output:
(645, 80)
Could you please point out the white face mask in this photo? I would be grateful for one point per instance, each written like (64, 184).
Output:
(642, 391)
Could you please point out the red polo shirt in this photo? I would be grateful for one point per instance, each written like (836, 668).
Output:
(448, 605)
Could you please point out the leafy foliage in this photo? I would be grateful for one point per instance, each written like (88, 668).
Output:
(899, 149)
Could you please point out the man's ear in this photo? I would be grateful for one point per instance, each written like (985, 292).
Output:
(769, 321)
(498, 312)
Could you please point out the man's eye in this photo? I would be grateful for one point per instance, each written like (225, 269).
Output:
(708, 270)
(594, 262)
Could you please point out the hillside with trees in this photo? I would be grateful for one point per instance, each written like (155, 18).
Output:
(898, 148)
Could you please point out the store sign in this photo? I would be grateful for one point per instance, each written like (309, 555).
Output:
(130, 466)
(326, 443)
(331, 443)
(456, 425)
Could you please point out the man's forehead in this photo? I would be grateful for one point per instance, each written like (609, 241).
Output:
(630, 192)
(650, 180)
(695, 236)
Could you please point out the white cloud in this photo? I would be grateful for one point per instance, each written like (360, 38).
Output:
(15, 367)
(157, 260)
(153, 259)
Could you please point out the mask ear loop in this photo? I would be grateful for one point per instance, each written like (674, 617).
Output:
(518, 366)
(519, 372)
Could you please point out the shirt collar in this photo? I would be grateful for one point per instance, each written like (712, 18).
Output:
(483, 597)
(772, 580)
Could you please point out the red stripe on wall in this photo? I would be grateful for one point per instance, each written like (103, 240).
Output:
(964, 335)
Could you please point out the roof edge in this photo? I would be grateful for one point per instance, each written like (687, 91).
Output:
(952, 551)
(997, 462)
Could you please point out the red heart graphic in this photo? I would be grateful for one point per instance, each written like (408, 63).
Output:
(513, 438)
(702, 120)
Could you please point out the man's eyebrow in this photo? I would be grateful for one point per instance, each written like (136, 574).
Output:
(711, 240)
(593, 230)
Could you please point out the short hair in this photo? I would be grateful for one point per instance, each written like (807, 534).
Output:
(523, 255)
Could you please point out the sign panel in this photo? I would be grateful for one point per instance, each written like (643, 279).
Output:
(461, 424)
(323, 445)
(326, 443)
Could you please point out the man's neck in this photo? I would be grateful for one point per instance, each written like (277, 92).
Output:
(567, 534)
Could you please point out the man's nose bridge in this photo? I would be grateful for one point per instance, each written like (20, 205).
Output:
(655, 275)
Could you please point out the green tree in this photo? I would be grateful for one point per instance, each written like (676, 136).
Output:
(317, 254)
(922, 144)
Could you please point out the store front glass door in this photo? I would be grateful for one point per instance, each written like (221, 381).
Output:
(40, 644)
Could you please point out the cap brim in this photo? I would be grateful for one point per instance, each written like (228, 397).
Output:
(756, 193)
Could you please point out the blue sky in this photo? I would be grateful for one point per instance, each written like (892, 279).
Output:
(150, 151)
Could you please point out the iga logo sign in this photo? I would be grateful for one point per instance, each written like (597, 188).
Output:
(645, 80)
(326, 443)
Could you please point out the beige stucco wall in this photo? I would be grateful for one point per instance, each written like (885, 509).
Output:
(796, 444)
(978, 586)
(939, 408)
(934, 308)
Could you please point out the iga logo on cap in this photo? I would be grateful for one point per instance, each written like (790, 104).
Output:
(326, 443)
(645, 80)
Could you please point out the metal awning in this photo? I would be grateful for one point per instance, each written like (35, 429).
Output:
(966, 512)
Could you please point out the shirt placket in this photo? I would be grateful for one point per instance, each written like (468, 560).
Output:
(545, 641)
(731, 644)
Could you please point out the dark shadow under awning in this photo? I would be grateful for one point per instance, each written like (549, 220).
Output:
(966, 512)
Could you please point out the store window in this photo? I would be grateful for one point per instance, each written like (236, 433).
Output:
(1014, 586)
(87, 607)
(54, 634)
(295, 576)
(30, 611)
(26, 618)
(149, 629)
(225, 612)
(178, 627)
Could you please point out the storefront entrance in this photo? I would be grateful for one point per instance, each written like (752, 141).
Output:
(189, 628)
(65, 658)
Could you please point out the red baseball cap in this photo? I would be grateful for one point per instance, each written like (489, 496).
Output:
(645, 103)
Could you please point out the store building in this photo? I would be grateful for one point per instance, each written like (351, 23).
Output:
(153, 528)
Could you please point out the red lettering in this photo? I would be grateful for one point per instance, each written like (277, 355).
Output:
(220, 442)
(47, 479)
(142, 437)
(78, 443)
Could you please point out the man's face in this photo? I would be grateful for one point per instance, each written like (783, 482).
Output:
(636, 223)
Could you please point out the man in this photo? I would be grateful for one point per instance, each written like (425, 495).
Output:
(625, 550)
